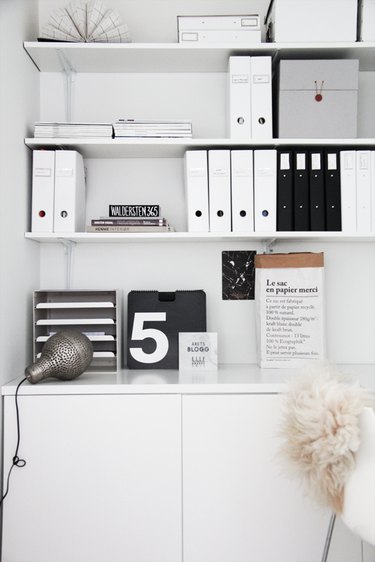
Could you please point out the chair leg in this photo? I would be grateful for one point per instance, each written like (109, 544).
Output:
(329, 537)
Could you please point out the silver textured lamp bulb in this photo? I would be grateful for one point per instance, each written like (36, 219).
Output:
(65, 356)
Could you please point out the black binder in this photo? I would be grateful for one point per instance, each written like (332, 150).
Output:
(284, 217)
(301, 192)
(317, 191)
(333, 190)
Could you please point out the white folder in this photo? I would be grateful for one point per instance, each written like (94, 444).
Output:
(242, 184)
(265, 181)
(364, 191)
(239, 111)
(348, 180)
(219, 190)
(261, 97)
(196, 190)
(373, 191)
(70, 192)
(43, 189)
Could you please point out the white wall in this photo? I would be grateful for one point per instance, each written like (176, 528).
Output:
(19, 259)
(350, 267)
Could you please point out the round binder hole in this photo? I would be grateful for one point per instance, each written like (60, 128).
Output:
(240, 120)
(42, 214)
(64, 214)
(242, 213)
(220, 213)
(265, 213)
(198, 213)
(261, 120)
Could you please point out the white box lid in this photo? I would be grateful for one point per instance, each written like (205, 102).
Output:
(301, 74)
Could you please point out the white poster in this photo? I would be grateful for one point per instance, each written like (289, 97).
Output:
(289, 295)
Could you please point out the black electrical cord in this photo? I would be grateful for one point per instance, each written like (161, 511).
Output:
(16, 461)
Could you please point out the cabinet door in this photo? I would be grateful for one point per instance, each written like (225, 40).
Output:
(102, 481)
(238, 505)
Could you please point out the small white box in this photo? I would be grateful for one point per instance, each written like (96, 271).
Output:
(312, 21)
(367, 20)
(216, 29)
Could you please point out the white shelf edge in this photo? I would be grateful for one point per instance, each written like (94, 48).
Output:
(150, 57)
(175, 148)
(89, 237)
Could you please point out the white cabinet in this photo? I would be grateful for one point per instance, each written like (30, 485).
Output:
(145, 468)
(102, 480)
(154, 467)
(239, 505)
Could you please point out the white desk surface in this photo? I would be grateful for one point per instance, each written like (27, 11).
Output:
(232, 379)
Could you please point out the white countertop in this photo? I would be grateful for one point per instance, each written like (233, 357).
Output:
(232, 379)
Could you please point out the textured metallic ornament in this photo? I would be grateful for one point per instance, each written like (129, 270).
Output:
(65, 356)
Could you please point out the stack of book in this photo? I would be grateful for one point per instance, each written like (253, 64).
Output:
(151, 129)
(72, 130)
(131, 218)
(129, 225)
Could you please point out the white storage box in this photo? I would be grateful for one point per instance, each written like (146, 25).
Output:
(219, 29)
(312, 21)
(367, 20)
(318, 98)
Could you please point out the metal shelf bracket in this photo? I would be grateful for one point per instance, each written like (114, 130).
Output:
(69, 74)
(268, 245)
(68, 251)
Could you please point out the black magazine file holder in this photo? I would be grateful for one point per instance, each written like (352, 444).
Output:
(154, 322)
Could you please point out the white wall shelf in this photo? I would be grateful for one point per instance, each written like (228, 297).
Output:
(175, 148)
(265, 237)
(172, 57)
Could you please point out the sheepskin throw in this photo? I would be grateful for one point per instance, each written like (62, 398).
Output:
(320, 431)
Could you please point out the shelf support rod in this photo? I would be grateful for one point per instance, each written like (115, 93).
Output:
(268, 245)
(69, 74)
(68, 251)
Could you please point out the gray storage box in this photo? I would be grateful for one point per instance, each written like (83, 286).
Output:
(318, 98)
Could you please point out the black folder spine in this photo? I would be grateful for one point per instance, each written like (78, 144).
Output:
(317, 191)
(333, 190)
(284, 191)
(301, 192)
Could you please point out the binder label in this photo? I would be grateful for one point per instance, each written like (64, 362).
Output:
(240, 78)
(301, 162)
(261, 79)
(43, 172)
(332, 162)
(315, 161)
(284, 162)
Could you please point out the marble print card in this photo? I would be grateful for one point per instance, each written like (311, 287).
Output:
(238, 275)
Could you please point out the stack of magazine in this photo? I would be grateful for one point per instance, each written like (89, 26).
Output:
(72, 130)
(135, 224)
(151, 129)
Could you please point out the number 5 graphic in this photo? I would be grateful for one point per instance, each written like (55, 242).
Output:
(141, 333)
